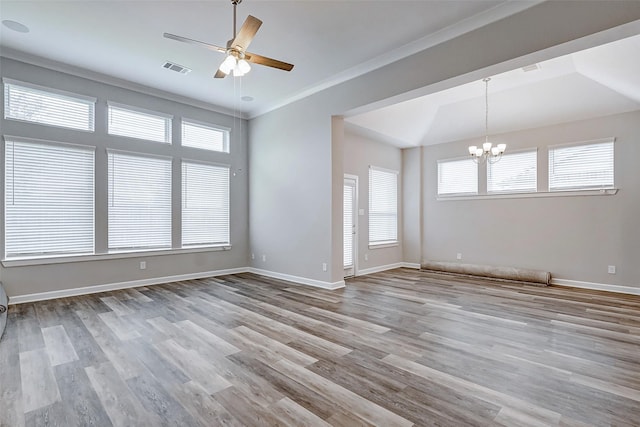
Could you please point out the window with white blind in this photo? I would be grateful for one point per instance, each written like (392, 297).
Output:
(31, 103)
(457, 177)
(514, 172)
(205, 204)
(138, 123)
(581, 166)
(49, 199)
(206, 137)
(383, 206)
(139, 199)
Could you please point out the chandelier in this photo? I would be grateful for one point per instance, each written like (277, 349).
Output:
(487, 153)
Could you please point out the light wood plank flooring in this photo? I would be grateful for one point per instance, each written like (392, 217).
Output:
(397, 348)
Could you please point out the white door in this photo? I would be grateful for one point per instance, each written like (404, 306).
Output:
(350, 225)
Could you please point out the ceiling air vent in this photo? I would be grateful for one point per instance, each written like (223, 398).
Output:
(175, 67)
(531, 67)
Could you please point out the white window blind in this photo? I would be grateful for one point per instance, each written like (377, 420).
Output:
(205, 204)
(514, 172)
(457, 177)
(383, 206)
(198, 135)
(588, 165)
(134, 123)
(347, 227)
(48, 107)
(139, 202)
(49, 199)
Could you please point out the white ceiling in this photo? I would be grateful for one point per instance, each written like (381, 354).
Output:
(328, 41)
(597, 82)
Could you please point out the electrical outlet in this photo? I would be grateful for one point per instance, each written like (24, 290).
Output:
(143, 265)
(264, 258)
(253, 256)
(324, 266)
(458, 255)
(611, 269)
(366, 257)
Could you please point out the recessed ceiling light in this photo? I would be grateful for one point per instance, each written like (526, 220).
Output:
(247, 98)
(15, 26)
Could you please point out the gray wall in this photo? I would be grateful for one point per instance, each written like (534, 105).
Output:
(42, 278)
(360, 153)
(412, 212)
(295, 200)
(574, 238)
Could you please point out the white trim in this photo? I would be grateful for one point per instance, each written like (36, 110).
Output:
(413, 265)
(23, 262)
(41, 296)
(384, 245)
(596, 286)
(297, 279)
(23, 139)
(380, 268)
(569, 193)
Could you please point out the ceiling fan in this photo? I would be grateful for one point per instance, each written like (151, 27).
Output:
(237, 59)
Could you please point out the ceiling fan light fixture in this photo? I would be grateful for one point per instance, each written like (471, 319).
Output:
(228, 64)
(243, 66)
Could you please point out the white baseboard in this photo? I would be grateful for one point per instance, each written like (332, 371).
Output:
(41, 296)
(596, 286)
(296, 279)
(380, 268)
(413, 265)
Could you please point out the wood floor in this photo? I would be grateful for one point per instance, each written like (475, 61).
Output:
(391, 349)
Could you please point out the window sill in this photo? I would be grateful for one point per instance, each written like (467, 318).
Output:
(384, 245)
(24, 262)
(572, 193)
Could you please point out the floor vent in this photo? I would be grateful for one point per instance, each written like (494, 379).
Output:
(175, 67)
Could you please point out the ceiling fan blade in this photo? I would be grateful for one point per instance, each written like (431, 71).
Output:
(195, 42)
(248, 31)
(269, 62)
(220, 75)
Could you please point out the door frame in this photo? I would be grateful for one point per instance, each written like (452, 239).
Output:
(354, 179)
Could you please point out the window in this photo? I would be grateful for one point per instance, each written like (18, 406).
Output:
(137, 123)
(457, 177)
(139, 201)
(206, 137)
(205, 204)
(51, 107)
(514, 172)
(49, 199)
(581, 166)
(383, 206)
